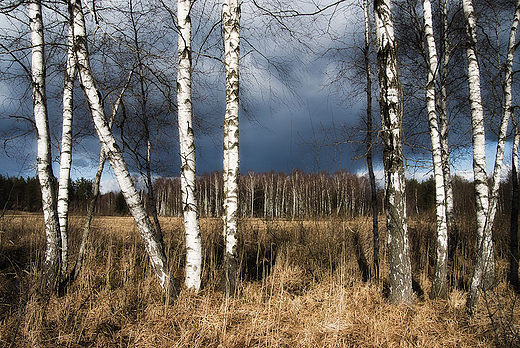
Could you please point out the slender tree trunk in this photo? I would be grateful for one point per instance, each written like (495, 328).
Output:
(74, 273)
(444, 129)
(51, 263)
(368, 141)
(145, 117)
(187, 148)
(230, 28)
(484, 241)
(513, 242)
(153, 246)
(489, 276)
(441, 267)
(515, 200)
(66, 153)
(484, 274)
(400, 271)
(151, 193)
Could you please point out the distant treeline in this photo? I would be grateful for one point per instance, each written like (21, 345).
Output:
(262, 195)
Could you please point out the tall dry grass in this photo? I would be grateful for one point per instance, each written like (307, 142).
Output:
(305, 284)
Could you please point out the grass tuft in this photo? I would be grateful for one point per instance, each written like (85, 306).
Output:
(304, 284)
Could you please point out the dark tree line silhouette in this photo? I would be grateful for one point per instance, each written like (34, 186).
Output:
(268, 195)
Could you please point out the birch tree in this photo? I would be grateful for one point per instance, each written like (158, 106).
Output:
(154, 247)
(51, 263)
(74, 273)
(66, 151)
(439, 283)
(187, 148)
(368, 140)
(231, 28)
(443, 120)
(515, 202)
(486, 197)
(398, 253)
(484, 243)
(508, 111)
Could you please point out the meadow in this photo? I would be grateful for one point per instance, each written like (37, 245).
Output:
(305, 283)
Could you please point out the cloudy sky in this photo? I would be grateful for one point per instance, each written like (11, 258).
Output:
(291, 119)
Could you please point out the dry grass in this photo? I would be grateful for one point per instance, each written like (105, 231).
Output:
(303, 287)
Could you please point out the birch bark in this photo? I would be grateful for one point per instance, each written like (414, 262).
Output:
(508, 108)
(368, 141)
(515, 200)
(400, 271)
(444, 129)
(484, 242)
(154, 248)
(484, 273)
(231, 33)
(66, 152)
(51, 263)
(501, 142)
(74, 273)
(441, 267)
(187, 148)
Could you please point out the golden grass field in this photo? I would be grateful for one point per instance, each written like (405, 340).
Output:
(305, 284)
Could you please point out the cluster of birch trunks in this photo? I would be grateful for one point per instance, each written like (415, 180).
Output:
(56, 270)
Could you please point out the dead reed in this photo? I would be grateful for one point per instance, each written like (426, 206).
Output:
(305, 284)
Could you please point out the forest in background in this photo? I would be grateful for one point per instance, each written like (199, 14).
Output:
(312, 226)
(298, 195)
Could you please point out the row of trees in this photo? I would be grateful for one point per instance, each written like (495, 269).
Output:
(436, 101)
(56, 194)
(23, 194)
(298, 195)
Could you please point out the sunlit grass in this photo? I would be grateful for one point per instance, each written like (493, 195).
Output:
(303, 286)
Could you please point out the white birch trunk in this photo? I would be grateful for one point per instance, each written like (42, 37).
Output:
(441, 267)
(484, 242)
(483, 276)
(74, 273)
(443, 126)
(515, 196)
(187, 148)
(51, 264)
(66, 153)
(368, 140)
(398, 253)
(501, 144)
(154, 248)
(230, 28)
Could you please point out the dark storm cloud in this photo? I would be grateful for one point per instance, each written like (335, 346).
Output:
(292, 135)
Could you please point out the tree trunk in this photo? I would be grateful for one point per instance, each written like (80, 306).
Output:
(151, 193)
(444, 130)
(489, 277)
(368, 141)
(484, 274)
(74, 273)
(143, 101)
(187, 148)
(66, 153)
(443, 120)
(439, 288)
(400, 271)
(515, 197)
(484, 241)
(513, 242)
(231, 34)
(153, 246)
(51, 263)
